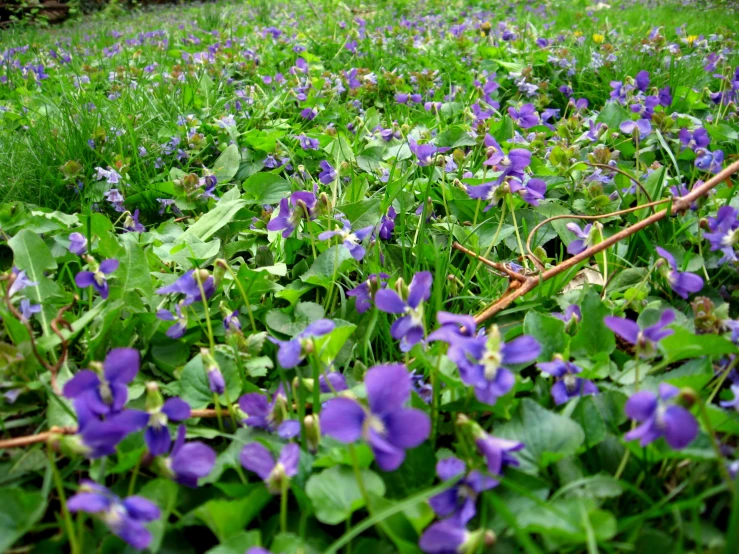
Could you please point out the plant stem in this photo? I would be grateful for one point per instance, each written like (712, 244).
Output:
(68, 523)
(284, 486)
(723, 470)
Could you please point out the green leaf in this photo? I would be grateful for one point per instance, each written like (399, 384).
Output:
(237, 544)
(613, 115)
(548, 436)
(593, 336)
(598, 414)
(265, 188)
(327, 266)
(227, 518)
(304, 314)
(417, 472)
(335, 493)
(227, 164)
(194, 381)
(455, 137)
(133, 273)
(19, 511)
(210, 223)
(362, 214)
(163, 493)
(549, 331)
(328, 346)
(683, 344)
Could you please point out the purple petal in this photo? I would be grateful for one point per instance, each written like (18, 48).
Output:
(288, 429)
(193, 460)
(176, 409)
(624, 328)
(289, 458)
(451, 467)
(641, 406)
(443, 537)
(157, 440)
(388, 387)
(407, 428)
(258, 459)
(387, 456)
(89, 502)
(342, 419)
(290, 353)
(680, 427)
(84, 279)
(521, 350)
(121, 365)
(83, 381)
(420, 288)
(389, 302)
(142, 509)
(109, 266)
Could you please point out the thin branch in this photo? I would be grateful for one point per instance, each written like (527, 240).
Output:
(27, 440)
(679, 205)
(628, 176)
(495, 265)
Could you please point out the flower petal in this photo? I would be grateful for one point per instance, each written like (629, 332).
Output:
(680, 427)
(388, 387)
(624, 328)
(258, 459)
(342, 419)
(121, 365)
(389, 301)
(407, 428)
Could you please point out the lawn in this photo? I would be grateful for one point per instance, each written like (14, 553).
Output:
(330, 277)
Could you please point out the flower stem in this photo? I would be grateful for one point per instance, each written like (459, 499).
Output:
(217, 403)
(244, 296)
(68, 523)
(518, 234)
(492, 243)
(134, 475)
(283, 504)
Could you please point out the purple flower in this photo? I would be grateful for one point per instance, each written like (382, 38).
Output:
(96, 279)
(697, 139)
(231, 322)
(660, 417)
(104, 393)
(131, 224)
(387, 224)
(188, 285)
(458, 501)
(351, 239)
(645, 339)
(20, 282)
(585, 237)
(301, 205)
(533, 191)
(387, 426)
(408, 328)
(291, 353)
(642, 125)
(482, 359)
(307, 143)
(571, 315)
(260, 413)
(365, 291)
(513, 164)
(446, 537)
(453, 327)
(642, 80)
(95, 438)
(155, 422)
(425, 153)
(723, 232)
(309, 113)
(709, 161)
(496, 451)
(258, 459)
(332, 381)
(683, 283)
(178, 329)
(188, 462)
(328, 173)
(567, 386)
(526, 117)
(401, 97)
(125, 518)
(28, 309)
(77, 244)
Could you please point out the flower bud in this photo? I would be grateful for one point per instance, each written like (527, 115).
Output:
(687, 397)
(216, 382)
(154, 399)
(312, 431)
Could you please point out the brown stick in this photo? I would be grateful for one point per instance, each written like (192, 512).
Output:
(27, 440)
(679, 205)
(500, 267)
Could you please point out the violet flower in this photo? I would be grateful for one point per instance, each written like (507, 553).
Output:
(697, 139)
(387, 426)
(458, 501)
(188, 285)
(387, 224)
(645, 339)
(106, 392)
(351, 239)
(734, 403)
(291, 353)
(77, 244)
(642, 125)
(533, 191)
(568, 386)
(188, 462)
(365, 291)
(261, 413)
(178, 329)
(27, 309)
(231, 323)
(409, 328)
(711, 162)
(125, 518)
(660, 417)
(571, 315)
(526, 117)
(132, 224)
(723, 233)
(96, 279)
(258, 459)
(425, 153)
(453, 327)
(585, 237)
(155, 422)
(301, 205)
(20, 282)
(683, 283)
(496, 451)
(482, 359)
(328, 173)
